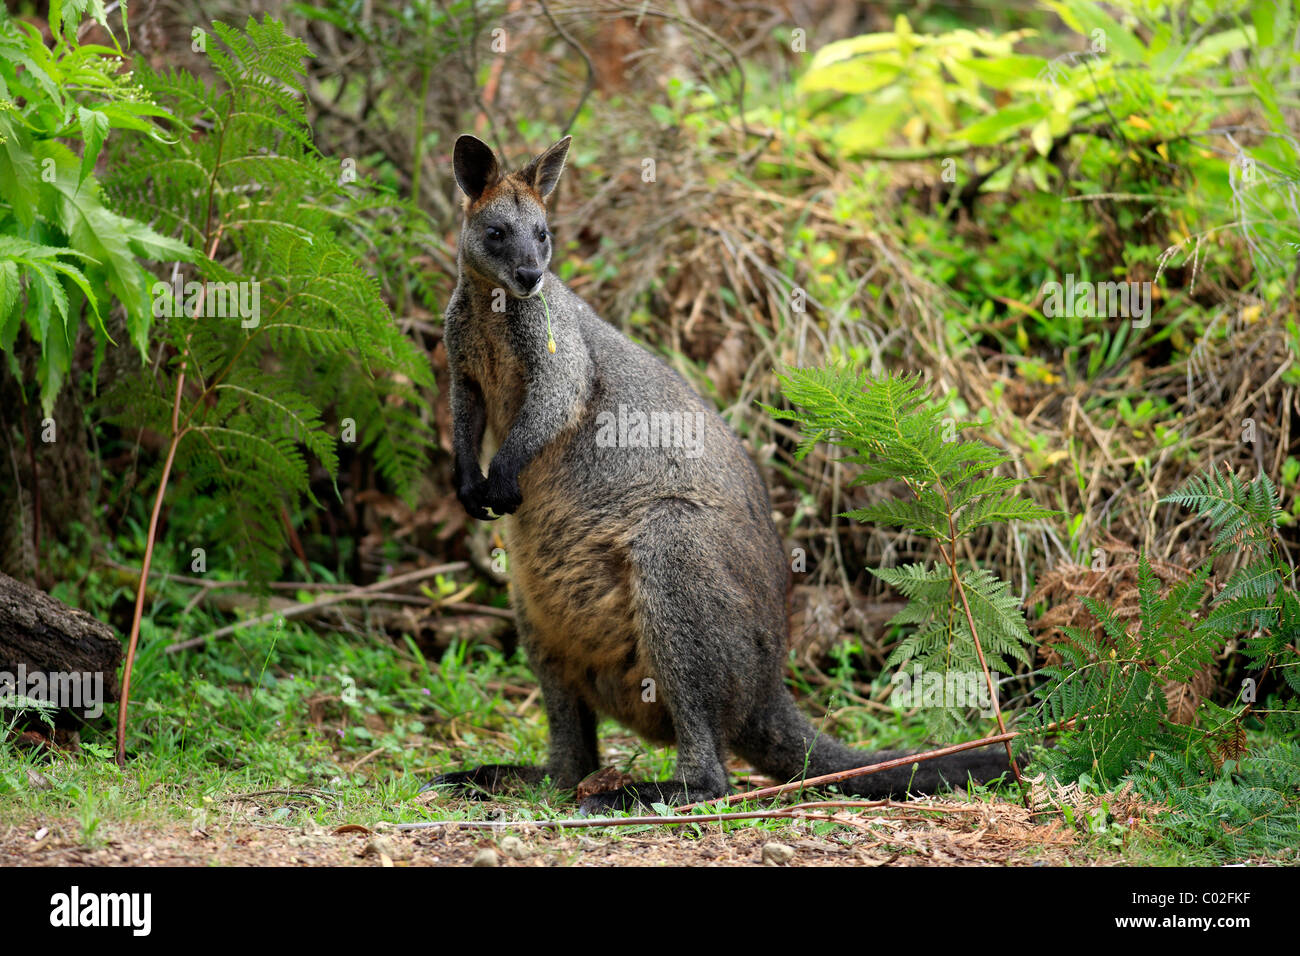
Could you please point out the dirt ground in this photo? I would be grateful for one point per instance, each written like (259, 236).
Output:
(997, 835)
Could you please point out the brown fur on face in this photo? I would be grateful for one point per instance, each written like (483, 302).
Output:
(505, 242)
(512, 187)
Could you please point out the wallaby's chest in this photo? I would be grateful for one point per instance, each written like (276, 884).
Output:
(485, 357)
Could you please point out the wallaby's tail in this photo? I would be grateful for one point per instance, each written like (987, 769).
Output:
(782, 743)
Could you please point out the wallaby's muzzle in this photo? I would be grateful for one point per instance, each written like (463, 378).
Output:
(529, 280)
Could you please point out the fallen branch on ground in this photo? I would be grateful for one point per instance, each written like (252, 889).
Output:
(800, 811)
(839, 775)
(298, 610)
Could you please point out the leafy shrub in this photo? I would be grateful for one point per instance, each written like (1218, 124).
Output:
(964, 617)
(63, 250)
(269, 217)
(1225, 794)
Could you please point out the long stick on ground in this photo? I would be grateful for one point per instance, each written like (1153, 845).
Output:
(839, 775)
(578, 822)
(801, 811)
(300, 609)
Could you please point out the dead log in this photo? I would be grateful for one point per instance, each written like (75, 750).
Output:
(44, 643)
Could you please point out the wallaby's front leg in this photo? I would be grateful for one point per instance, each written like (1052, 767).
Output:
(469, 417)
(556, 390)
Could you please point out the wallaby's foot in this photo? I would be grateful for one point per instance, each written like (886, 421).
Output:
(643, 794)
(479, 783)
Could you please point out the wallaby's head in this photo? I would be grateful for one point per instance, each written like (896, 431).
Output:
(505, 238)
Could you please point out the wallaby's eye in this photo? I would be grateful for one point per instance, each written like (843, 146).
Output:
(494, 234)
(543, 234)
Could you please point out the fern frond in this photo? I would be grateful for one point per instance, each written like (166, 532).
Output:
(1243, 515)
(322, 347)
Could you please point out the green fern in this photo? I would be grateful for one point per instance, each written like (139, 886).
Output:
(895, 432)
(1244, 515)
(1224, 796)
(1114, 689)
(1257, 603)
(1252, 806)
(243, 185)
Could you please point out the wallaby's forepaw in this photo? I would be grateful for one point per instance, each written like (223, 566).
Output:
(496, 492)
(470, 491)
(478, 511)
(501, 492)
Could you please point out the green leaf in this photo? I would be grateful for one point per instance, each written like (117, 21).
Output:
(1087, 17)
(1216, 46)
(1041, 137)
(111, 240)
(18, 171)
(996, 509)
(10, 317)
(862, 75)
(867, 43)
(94, 128)
(1004, 72)
(1000, 125)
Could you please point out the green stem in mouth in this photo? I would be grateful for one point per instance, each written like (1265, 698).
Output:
(550, 339)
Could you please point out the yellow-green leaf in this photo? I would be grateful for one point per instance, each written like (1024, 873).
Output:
(1041, 137)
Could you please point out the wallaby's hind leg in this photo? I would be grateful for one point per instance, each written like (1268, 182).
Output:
(700, 771)
(573, 752)
(781, 742)
(677, 601)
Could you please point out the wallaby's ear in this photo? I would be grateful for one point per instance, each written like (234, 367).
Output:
(544, 171)
(475, 166)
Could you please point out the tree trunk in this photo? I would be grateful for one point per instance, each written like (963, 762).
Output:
(52, 652)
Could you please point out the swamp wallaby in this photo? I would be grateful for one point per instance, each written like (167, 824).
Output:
(649, 581)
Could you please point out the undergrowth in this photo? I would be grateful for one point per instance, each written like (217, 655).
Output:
(1231, 775)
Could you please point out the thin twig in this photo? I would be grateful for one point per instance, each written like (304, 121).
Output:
(300, 609)
(840, 775)
(800, 811)
(578, 822)
(591, 69)
(178, 432)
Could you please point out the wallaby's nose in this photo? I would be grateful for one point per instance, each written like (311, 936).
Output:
(526, 277)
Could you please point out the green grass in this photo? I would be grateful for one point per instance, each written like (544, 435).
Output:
(267, 712)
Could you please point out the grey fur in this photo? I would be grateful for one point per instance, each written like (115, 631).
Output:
(658, 562)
